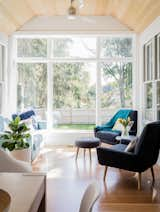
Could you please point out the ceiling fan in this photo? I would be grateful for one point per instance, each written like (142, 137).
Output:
(73, 11)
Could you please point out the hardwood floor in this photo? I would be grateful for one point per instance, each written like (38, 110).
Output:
(68, 179)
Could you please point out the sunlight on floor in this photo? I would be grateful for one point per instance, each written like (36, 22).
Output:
(55, 173)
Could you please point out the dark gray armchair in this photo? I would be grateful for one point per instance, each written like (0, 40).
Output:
(143, 157)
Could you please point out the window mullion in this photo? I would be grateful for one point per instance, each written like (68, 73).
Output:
(49, 86)
(98, 83)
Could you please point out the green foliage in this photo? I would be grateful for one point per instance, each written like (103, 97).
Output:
(120, 75)
(76, 126)
(32, 47)
(71, 87)
(32, 89)
(16, 137)
(61, 47)
(117, 47)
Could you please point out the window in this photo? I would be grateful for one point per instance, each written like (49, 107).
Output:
(116, 47)
(149, 70)
(60, 74)
(148, 102)
(150, 74)
(74, 82)
(31, 90)
(74, 94)
(116, 75)
(74, 47)
(32, 48)
(149, 95)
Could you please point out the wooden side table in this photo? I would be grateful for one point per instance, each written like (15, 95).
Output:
(27, 191)
(126, 139)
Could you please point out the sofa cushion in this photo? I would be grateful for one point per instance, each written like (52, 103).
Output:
(107, 135)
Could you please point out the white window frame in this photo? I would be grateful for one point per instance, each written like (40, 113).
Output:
(97, 60)
(3, 82)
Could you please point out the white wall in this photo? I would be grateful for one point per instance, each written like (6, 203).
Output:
(61, 24)
(4, 42)
(152, 30)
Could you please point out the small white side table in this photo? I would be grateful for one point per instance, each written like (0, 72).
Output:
(127, 138)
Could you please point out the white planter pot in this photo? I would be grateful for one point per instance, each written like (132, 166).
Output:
(23, 154)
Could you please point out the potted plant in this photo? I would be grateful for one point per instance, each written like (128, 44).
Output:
(15, 140)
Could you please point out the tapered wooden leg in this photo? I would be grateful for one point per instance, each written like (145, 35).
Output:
(84, 152)
(139, 181)
(152, 172)
(77, 153)
(90, 154)
(105, 172)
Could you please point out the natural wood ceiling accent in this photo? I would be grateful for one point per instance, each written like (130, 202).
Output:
(135, 14)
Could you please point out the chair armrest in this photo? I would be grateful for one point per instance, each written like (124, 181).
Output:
(115, 158)
(125, 141)
(115, 152)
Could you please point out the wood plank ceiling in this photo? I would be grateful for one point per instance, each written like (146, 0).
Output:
(135, 14)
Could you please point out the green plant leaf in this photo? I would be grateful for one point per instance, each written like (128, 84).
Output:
(9, 145)
(16, 137)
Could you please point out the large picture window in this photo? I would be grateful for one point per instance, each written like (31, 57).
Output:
(59, 76)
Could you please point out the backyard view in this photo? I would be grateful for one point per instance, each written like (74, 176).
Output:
(75, 64)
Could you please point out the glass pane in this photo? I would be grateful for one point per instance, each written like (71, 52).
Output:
(149, 115)
(158, 114)
(149, 62)
(148, 95)
(116, 81)
(32, 47)
(158, 58)
(2, 58)
(158, 93)
(116, 47)
(74, 47)
(32, 89)
(74, 95)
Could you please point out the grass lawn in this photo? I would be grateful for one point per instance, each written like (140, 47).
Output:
(76, 126)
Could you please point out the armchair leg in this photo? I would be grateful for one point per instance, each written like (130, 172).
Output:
(152, 172)
(90, 154)
(77, 153)
(105, 172)
(139, 181)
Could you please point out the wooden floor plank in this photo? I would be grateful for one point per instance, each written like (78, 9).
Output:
(67, 180)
